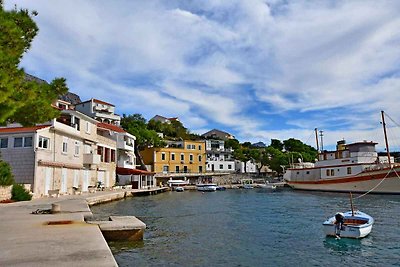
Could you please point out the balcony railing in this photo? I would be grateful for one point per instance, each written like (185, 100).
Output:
(91, 159)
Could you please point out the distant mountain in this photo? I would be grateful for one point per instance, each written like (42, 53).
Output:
(71, 98)
(259, 144)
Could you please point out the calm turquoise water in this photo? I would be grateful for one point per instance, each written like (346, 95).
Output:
(254, 228)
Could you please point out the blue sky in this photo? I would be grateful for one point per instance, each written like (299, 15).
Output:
(257, 69)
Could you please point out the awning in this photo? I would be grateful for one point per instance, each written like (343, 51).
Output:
(126, 171)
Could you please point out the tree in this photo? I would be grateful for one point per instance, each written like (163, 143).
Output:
(232, 143)
(275, 143)
(21, 100)
(276, 159)
(6, 176)
(136, 125)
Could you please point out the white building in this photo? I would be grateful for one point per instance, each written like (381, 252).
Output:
(99, 110)
(219, 159)
(248, 167)
(60, 155)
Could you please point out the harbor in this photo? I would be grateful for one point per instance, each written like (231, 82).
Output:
(256, 227)
(34, 236)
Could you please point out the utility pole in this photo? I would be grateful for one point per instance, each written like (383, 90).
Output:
(321, 134)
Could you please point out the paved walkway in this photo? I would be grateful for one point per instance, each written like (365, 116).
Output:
(27, 240)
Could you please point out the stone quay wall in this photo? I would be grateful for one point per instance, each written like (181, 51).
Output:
(5, 192)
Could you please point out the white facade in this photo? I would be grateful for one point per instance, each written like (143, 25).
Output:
(219, 159)
(248, 167)
(126, 150)
(99, 110)
(59, 156)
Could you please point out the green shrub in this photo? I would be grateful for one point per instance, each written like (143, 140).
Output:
(19, 193)
(6, 177)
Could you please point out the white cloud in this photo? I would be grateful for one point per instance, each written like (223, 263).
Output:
(228, 63)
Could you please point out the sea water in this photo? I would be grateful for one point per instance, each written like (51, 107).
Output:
(254, 227)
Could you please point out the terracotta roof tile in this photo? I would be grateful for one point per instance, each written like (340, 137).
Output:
(22, 129)
(102, 102)
(110, 127)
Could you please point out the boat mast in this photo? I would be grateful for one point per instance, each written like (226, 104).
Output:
(351, 203)
(386, 140)
(316, 139)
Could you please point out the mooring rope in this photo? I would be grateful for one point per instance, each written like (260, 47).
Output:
(372, 189)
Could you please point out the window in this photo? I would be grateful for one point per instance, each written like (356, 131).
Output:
(307, 172)
(193, 146)
(77, 147)
(28, 141)
(200, 168)
(165, 168)
(172, 156)
(87, 127)
(163, 156)
(348, 170)
(221, 166)
(3, 142)
(177, 169)
(328, 173)
(229, 166)
(182, 157)
(44, 142)
(188, 146)
(191, 157)
(107, 154)
(112, 155)
(200, 158)
(18, 141)
(64, 147)
(100, 152)
(199, 147)
(77, 123)
(332, 172)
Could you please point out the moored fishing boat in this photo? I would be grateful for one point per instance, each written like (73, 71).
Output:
(352, 167)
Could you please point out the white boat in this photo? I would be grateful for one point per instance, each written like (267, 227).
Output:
(268, 186)
(247, 183)
(179, 189)
(352, 167)
(355, 224)
(172, 183)
(206, 187)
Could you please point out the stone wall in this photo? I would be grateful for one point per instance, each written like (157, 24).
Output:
(5, 192)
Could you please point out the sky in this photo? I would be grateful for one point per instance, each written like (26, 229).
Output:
(258, 69)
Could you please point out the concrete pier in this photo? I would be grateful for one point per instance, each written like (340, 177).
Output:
(59, 239)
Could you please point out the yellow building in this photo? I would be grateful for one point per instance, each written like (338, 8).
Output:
(177, 157)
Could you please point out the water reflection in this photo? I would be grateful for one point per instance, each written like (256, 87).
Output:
(345, 245)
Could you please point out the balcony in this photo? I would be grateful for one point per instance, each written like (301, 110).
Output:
(66, 128)
(125, 145)
(126, 164)
(91, 159)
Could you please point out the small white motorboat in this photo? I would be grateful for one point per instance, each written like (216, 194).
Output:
(247, 183)
(179, 189)
(267, 185)
(206, 187)
(351, 224)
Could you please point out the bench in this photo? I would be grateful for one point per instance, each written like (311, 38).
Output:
(53, 192)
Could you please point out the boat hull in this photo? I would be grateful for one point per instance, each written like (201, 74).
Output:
(207, 188)
(378, 182)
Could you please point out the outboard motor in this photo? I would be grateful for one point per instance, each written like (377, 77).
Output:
(339, 217)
